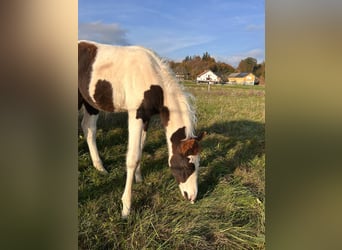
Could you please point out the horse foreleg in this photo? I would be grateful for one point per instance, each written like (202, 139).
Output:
(132, 159)
(89, 130)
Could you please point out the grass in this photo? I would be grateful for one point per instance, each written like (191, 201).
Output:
(229, 212)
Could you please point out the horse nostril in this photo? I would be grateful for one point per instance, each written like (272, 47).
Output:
(186, 195)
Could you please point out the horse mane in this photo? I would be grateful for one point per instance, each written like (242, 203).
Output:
(186, 99)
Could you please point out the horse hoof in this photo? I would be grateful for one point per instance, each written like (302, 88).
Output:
(124, 216)
(102, 170)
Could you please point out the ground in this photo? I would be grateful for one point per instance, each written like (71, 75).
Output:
(230, 209)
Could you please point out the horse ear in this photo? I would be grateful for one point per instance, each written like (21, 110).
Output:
(201, 136)
(189, 147)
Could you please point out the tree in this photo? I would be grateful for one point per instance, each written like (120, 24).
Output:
(192, 66)
(259, 70)
(247, 65)
(223, 70)
(187, 58)
(206, 56)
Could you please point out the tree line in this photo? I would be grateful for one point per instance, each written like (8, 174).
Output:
(192, 66)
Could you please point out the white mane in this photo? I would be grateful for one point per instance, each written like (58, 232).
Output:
(184, 98)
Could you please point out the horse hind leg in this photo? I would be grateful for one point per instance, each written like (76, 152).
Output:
(89, 130)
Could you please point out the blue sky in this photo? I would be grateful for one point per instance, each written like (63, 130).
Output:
(230, 30)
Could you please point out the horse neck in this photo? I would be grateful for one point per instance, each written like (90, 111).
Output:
(181, 115)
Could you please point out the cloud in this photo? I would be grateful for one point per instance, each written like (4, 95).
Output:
(168, 45)
(234, 60)
(253, 27)
(104, 33)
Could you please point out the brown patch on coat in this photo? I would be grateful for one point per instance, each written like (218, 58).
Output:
(152, 104)
(189, 147)
(90, 109)
(104, 95)
(80, 100)
(86, 57)
(176, 138)
(181, 168)
(164, 116)
(103, 91)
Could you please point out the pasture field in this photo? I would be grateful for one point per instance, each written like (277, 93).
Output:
(230, 209)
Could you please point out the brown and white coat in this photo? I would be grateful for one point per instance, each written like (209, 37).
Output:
(135, 79)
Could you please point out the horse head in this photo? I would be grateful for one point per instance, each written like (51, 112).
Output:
(185, 163)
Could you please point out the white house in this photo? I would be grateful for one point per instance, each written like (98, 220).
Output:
(208, 77)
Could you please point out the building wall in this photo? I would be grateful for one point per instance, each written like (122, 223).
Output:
(248, 80)
(204, 77)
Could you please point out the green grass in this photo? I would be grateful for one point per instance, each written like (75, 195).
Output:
(229, 212)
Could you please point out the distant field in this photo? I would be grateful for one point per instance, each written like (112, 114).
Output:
(229, 211)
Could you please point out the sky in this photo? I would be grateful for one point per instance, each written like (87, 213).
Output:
(229, 30)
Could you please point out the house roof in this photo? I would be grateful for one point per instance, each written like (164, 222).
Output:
(206, 71)
(239, 75)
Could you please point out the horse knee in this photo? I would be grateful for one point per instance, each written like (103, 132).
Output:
(133, 158)
(132, 163)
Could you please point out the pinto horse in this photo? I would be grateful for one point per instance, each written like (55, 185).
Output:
(135, 79)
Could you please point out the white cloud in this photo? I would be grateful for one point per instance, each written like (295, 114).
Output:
(253, 27)
(167, 45)
(234, 60)
(101, 32)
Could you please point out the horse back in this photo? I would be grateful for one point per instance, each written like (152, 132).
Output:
(116, 77)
